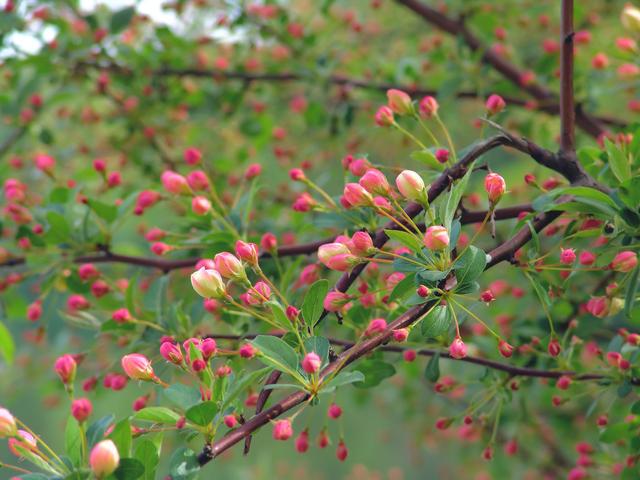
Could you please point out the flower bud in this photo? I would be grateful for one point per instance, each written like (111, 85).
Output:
(554, 348)
(436, 238)
(563, 382)
(630, 18)
(423, 291)
(362, 244)
(229, 266)
(198, 180)
(8, 426)
(208, 283)
(598, 307)
(410, 185)
(624, 261)
(334, 301)
(174, 183)
(341, 451)
(297, 175)
(282, 429)
(258, 294)
(247, 252)
(442, 155)
(248, 351)
(230, 421)
(45, 163)
(401, 334)
(292, 313)
(428, 107)
(375, 182)
(192, 156)
(200, 205)
(356, 195)
(302, 442)
(495, 104)
(311, 363)
(376, 326)
(399, 102)
(171, 353)
(334, 411)
(104, 458)
(505, 349)
(137, 367)
(409, 355)
(66, 366)
(121, 315)
(34, 311)
(208, 348)
(81, 408)
(458, 349)
(567, 256)
(384, 117)
(586, 258)
(495, 187)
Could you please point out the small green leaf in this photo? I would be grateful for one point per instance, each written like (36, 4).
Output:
(312, 305)
(147, 454)
(618, 161)
(432, 370)
(374, 371)
(73, 441)
(412, 242)
(129, 469)
(630, 296)
(59, 230)
(277, 353)
(184, 464)
(181, 396)
(7, 346)
(437, 322)
(106, 212)
(342, 378)
(202, 414)
(121, 19)
(470, 265)
(427, 158)
(319, 345)
(96, 430)
(121, 436)
(157, 415)
(403, 288)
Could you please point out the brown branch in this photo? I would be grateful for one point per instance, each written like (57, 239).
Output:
(585, 121)
(567, 108)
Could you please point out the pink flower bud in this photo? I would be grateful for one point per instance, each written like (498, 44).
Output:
(384, 117)
(258, 294)
(374, 182)
(146, 199)
(160, 248)
(292, 313)
(356, 195)
(505, 349)
(268, 242)
(428, 107)
(34, 311)
(598, 307)
(302, 442)
(329, 250)
(114, 179)
(66, 366)
(8, 426)
(436, 238)
(297, 175)
(247, 252)
(495, 104)
(409, 355)
(45, 163)
(554, 348)
(401, 334)
(586, 258)
(229, 266)
(248, 351)
(442, 155)
(208, 348)
(252, 171)
(341, 451)
(487, 296)
(443, 423)
(21, 442)
(81, 408)
(100, 288)
(104, 458)
(399, 102)
(87, 271)
(334, 301)
(376, 326)
(567, 256)
(192, 156)
(137, 367)
(563, 382)
(208, 283)
(410, 185)
(311, 363)
(304, 203)
(624, 261)
(230, 421)
(362, 244)
(99, 165)
(171, 352)
(495, 187)
(282, 429)
(200, 205)
(423, 291)
(174, 183)
(458, 349)
(323, 439)
(139, 403)
(198, 365)
(121, 315)
(198, 180)
(334, 411)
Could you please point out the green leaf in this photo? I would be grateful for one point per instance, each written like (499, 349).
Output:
(410, 241)
(342, 378)
(275, 352)
(73, 441)
(59, 230)
(96, 430)
(184, 464)
(427, 158)
(453, 200)
(618, 161)
(619, 431)
(312, 305)
(630, 296)
(121, 19)
(403, 288)
(374, 371)
(157, 415)
(202, 414)
(432, 370)
(121, 436)
(106, 212)
(129, 469)
(437, 322)
(319, 345)
(181, 396)
(470, 265)
(147, 454)
(7, 346)
(241, 384)
(279, 314)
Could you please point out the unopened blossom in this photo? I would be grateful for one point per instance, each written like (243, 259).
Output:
(137, 367)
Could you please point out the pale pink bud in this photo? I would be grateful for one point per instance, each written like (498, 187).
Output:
(374, 182)
(81, 408)
(171, 353)
(200, 205)
(384, 117)
(192, 156)
(495, 187)
(8, 426)
(377, 325)
(229, 266)
(104, 458)
(137, 367)
(399, 102)
(362, 244)
(624, 261)
(311, 362)
(495, 104)
(198, 180)
(436, 238)
(401, 334)
(334, 301)
(304, 203)
(208, 283)
(174, 183)
(66, 366)
(258, 294)
(247, 252)
(45, 163)
(567, 256)
(297, 175)
(329, 250)
(359, 166)
(282, 429)
(356, 195)
(410, 185)
(458, 349)
(21, 442)
(428, 107)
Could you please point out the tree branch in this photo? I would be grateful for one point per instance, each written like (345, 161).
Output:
(567, 108)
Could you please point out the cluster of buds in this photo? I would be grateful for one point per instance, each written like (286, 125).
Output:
(345, 252)
(198, 352)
